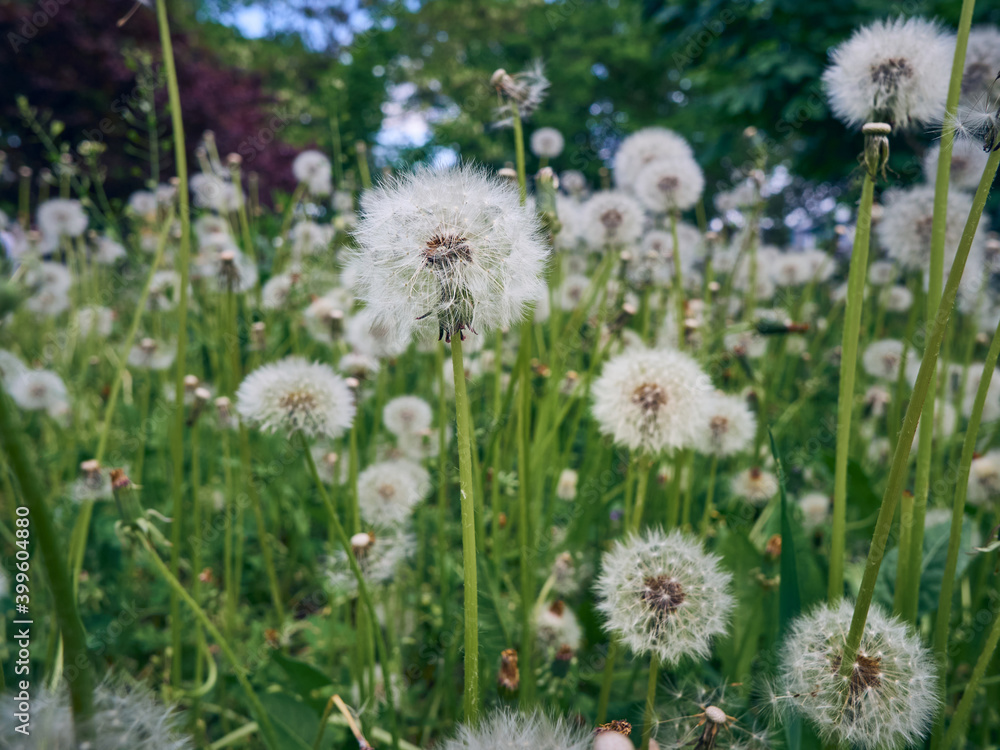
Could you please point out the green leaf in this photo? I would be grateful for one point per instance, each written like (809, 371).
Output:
(935, 555)
(294, 722)
(304, 679)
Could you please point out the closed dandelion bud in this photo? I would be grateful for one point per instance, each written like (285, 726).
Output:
(509, 677)
(566, 486)
(876, 153)
(664, 594)
(258, 336)
(887, 701)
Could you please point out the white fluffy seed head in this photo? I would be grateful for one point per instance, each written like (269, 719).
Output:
(124, 719)
(407, 415)
(652, 400)
(968, 160)
(882, 359)
(612, 218)
(556, 627)
(60, 217)
(547, 143)
(453, 247)
(755, 485)
(379, 553)
(729, 425)
(642, 147)
(313, 169)
(507, 729)
(815, 507)
(37, 390)
(389, 490)
(662, 593)
(887, 702)
(984, 479)
(295, 395)
(905, 228)
(892, 71)
(982, 63)
(670, 182)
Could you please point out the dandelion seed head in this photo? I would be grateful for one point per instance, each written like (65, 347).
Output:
(507, 729)
(407, 415)
(295, 395)
(755, 485)
(662, 593)
(669, 183)
(313, 169)
(890, 697)
(612, 218)
(454, 248)
(379, 553)
(547, 143)
(389, 490)
(893, 71)
(642, 147)
(652, 400)
(58, 218)
(729, 425)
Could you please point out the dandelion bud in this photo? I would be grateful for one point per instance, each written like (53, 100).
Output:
(499, 77)
(566, 487)
(509, 678)
(234, 160)
(362, 542)
(773, 547)
(190, 383)
(876, 153)
(258, 335)
(224, 408)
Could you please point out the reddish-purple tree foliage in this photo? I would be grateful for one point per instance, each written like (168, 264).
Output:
(67, 58)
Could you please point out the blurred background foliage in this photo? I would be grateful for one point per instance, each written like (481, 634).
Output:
(270, 77)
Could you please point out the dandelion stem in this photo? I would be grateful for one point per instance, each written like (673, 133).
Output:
(914, 552)
(43, 531)
(943, 618)
(647, 721)
(677, 287)
(897, 471)
(263, 721)
(524, 532)
(848, 371)
(363, 593)
(645, 466)
(709, 495)
(470, 701)
(961, 717)
(607, 680)
(522, 181)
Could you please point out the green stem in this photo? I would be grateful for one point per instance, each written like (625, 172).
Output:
(263, 721)
(647, 721)
(848, 371)
(677, 287)
(943, 618)
(897, 471)
(522, 181)
(40, 528)
(524, 530)
(470, 701)
(645, 465)
(961, 717)
(363, 593)
(607, 680)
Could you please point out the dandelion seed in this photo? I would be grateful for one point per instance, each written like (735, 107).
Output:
(526, 89)
(662, 593)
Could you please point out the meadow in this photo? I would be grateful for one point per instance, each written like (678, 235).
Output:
(501, 458)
